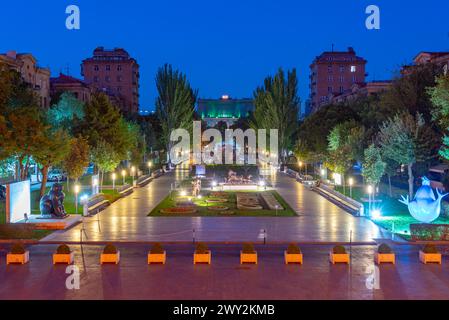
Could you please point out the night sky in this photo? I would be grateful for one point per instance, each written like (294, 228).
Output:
(224, 47)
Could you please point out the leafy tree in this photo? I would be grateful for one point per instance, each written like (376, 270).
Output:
(175, 104)
(66, 111)
(277, 107)
(105, 158)
(77, 158)
(373, 165)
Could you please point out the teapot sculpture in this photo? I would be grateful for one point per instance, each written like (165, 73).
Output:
(425, 207)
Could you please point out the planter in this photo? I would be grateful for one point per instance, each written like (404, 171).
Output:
(202, 258)
(217, 200)
(157, 258)
(12, 258)
(59, 258)
(385, 258)
(293, 258)
(180, 210)
(110, 258)
(339, 258)
(429, 257)
(248, 258)
(218, 208)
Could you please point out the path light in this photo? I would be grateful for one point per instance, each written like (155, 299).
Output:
(199, 197)
(323, 172)
(150, 165)
(376, 214)
(351, 183)
(114, 176)
(77, 191)
(214, 184)
(183, 193)
(123, 175)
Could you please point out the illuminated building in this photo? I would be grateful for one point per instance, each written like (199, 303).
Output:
(225, 109)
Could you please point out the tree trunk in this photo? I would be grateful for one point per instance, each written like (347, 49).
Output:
(411, 180)
(389, 186)
(44, 180)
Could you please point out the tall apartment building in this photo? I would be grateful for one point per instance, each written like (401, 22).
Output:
(116, 73)
(333, 73)
(38, 78)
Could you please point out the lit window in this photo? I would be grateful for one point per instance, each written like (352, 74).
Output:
(353, 69)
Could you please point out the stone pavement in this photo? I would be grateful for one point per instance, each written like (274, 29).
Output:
(225, 278)
(318, 220)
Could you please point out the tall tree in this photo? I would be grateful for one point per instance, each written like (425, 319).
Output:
(175, 104)
(77, 158)
(373, 165)
(66, 111)
(277, 107)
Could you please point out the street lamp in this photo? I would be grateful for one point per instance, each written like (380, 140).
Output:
(300, 166)
(370, 193)
(150, 165)
(351, 183)
(114, 176)
(77, 191)
(123, 175)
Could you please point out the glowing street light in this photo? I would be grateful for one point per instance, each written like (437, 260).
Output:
(370, 190)
(114, 176)
(77, 190)
(376, 214)
(351, 183)
(183, 193)
(123, 175)
(214, 184)
(150, 165)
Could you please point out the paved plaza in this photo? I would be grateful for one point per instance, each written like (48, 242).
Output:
(318, 220)
(225, 278)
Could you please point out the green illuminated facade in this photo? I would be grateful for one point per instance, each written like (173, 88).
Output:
(224, 109)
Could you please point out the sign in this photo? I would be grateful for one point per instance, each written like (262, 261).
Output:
(18, 201)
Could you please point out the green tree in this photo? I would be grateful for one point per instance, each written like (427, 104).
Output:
(175, 104)
(277, 107)
(373, 165)
(77, 158)
(105, 158)
(67, 111)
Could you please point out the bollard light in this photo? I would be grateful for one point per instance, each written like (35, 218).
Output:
(77, 189)
(123, 175)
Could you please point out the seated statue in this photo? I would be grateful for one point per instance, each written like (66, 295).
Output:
(52, 204)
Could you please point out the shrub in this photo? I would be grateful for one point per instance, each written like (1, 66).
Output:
(339, 250)
(63, 249)
(18, 248)
(157, 249)
(384, 249)
(248, 248)
(293, 249)
(430, 248)
(201, 248)
(110, 249)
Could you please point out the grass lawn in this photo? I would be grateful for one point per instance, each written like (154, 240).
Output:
(107, 180)
(2, 212)
(395, 216)
(203, 211)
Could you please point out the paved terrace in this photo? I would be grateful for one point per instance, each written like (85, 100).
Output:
(225, 278)
(318, 220)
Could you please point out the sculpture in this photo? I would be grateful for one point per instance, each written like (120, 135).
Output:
(425, 207)
(52, 204)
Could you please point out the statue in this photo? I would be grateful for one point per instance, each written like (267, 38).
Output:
(425, 207)
(52, 204)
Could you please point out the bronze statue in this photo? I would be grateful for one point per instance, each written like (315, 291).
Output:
(52, 204)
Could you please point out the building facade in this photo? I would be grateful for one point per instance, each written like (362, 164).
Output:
(359, 90)
(115, 73)
(38, 78)
(225, 109)
(438, 58)
(64, 83)
(332, 73)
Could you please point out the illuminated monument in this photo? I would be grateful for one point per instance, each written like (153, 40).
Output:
(425, 207)
(226, 110)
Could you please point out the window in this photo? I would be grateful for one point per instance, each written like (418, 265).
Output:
(119, 89)
(342, 79)
(353, 69)
(354, 79)
(330, 78)
(108, 79)
(342, 68)
(342, 89)
(329, 68)
(96, 68)
(119, 68)
(108, 68)
(119, 78)
(95, 79)
(329, 89)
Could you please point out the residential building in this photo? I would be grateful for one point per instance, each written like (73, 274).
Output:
(359, 90)
(64, 83)
(439, 58)
(333, 73)
(38, 78)
(116, 73)
(225, 109)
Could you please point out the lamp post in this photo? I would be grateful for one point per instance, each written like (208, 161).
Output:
(77, 191)
(370, 192)
(114, 176)
(351, 183)
(123, 175)
(133, 171)
(300, 166)
(150, 165)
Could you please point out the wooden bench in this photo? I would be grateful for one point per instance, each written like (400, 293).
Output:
(97, 203)
(126, 190)
(144, 180)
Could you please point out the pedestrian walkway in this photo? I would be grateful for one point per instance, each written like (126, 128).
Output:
(318, 220)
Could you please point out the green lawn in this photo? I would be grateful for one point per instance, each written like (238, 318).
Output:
(395, 216)
(202, 208)
(2, 213)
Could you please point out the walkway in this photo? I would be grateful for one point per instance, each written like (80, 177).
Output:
(318, 220)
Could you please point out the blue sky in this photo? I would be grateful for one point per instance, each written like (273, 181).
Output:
(225, 47)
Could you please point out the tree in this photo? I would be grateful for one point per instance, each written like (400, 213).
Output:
(439, 96)
(105, 158)
(77, 158)
(52, 151)
(175, 104)
(67, 111)
(373, 165)
(277, 107)
(406, 140)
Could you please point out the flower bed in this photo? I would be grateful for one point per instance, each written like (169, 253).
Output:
(218, 208)
(179, 210)
(216, 200)
(429, 232)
